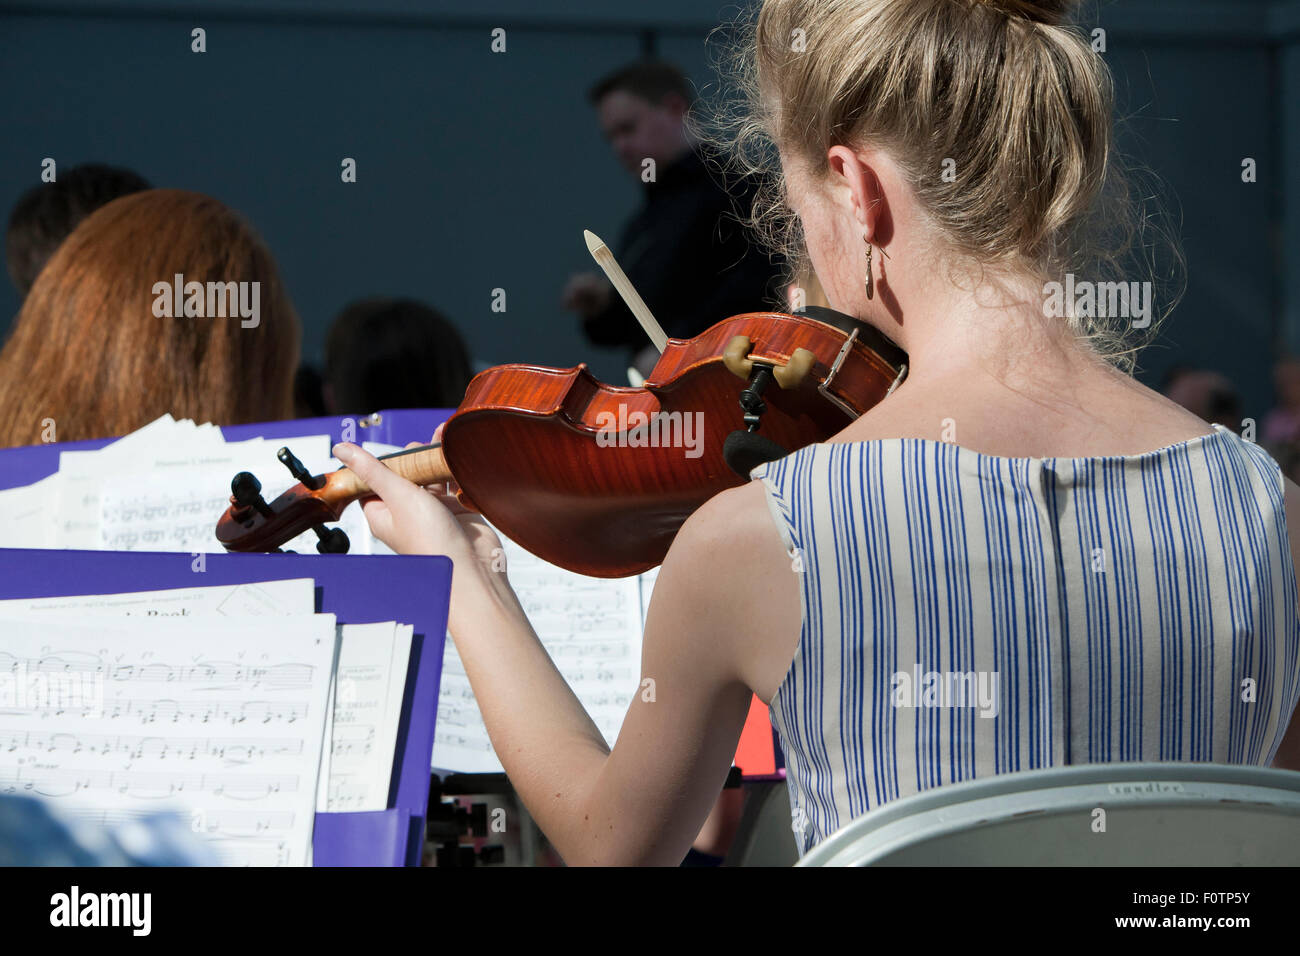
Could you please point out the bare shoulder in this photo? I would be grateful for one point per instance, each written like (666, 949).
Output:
(732, 538)
(728, 518)
(730, 565)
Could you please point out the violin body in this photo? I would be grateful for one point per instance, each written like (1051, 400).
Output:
(598, 478)
(543, 452)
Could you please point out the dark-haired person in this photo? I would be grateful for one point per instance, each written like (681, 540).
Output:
(46, 214)
(393, 353)
(1106, 566)
(106, 341)
(685, 250)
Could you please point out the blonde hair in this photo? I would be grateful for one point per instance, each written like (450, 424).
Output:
(1005, 96)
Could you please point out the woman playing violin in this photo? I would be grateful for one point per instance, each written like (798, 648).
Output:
(1106, 567)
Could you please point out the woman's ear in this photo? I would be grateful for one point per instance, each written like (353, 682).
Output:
(859, 185)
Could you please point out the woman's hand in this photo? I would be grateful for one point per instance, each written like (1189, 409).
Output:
(414, 520)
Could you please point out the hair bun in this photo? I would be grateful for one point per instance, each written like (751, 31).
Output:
(1049, 12)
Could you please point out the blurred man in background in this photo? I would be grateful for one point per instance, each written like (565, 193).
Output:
(684, 250)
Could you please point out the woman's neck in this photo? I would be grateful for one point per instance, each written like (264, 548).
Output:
(999, 332)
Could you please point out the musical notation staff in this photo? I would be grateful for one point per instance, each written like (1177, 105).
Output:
(221, 672)
(153, 710)
(198, 716)
(132, 746)
(226, 823)
(349, 740)
(592, 630)
(55, 782)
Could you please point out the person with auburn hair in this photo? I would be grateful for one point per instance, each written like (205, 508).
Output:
(1088, 570)
(109, 338)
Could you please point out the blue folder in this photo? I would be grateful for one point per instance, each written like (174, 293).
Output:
(358, 589)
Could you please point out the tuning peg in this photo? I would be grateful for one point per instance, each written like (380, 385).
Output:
(246, 492)
(298, 471)
(332, 540)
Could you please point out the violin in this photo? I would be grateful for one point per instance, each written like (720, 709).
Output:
(597, 478)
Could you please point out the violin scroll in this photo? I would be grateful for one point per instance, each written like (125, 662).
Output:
(251, 524)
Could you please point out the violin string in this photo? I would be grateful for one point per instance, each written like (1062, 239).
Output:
(410, 451)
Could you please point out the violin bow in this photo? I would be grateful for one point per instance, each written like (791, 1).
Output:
(614, 272)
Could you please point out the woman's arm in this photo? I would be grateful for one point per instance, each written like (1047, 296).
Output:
(645, 801)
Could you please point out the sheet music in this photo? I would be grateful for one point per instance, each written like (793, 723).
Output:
(367, 709)
(259, 599)
(220, 718)
(25, 514)
(592, 629)
(362, 723)
(173, 504)
(373, 658)
(162, 488)
(74, 510)
(176, 508)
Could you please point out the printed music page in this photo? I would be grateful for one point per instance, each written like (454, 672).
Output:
(592, 629)
(220, 719)
(373, 660)
(227, 600)
(368, 692)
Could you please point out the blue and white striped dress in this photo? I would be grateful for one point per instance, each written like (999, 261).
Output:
(1111, 609)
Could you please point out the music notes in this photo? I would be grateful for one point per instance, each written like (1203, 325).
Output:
(161, 488)
(61, 783)
(592, 629)
(221, 718)
(367, 708)
(236, 750)
(218, 672)
(162, 689)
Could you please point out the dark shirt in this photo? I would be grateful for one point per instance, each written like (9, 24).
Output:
(688, 256)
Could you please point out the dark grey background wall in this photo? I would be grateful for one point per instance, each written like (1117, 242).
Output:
(479, 170)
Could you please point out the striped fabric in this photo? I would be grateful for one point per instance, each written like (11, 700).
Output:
(966, 615)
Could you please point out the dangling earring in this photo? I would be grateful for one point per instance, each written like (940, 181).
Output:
(871, 292)
(871, 284)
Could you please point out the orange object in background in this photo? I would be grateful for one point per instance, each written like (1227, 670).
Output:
(756, 754)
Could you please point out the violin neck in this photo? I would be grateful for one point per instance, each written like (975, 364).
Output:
(422, 466)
